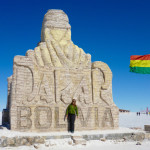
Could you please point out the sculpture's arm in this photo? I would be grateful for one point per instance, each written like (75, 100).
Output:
(63, 52)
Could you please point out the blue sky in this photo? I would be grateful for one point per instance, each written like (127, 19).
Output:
(110, 30)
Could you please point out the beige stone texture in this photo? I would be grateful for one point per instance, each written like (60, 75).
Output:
(45, 81)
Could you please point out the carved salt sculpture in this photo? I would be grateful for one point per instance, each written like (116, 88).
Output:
(45, 81)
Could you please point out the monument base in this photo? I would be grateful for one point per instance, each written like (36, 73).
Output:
(14, 138)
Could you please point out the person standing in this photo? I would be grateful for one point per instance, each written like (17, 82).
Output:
(71, 113)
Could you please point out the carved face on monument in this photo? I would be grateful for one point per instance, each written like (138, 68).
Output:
(62, 36)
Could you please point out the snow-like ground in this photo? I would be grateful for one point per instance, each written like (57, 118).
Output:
(91, 145)
(129, 120)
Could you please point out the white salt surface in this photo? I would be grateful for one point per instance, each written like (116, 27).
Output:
(131, 120)
(96, 145)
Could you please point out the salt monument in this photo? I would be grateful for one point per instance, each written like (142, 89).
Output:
(45, 81)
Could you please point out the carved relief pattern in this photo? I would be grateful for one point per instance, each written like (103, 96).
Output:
(45, 81)
(71, 84)
(102, 83)
(107, 119)
(23, 115)
(96, 117)
(57, 124)
(34, 86)
(43, 118)
(84, 119)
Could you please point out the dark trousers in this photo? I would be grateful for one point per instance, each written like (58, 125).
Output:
(71, 120)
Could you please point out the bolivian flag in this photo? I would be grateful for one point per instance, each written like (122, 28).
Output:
(140, 64)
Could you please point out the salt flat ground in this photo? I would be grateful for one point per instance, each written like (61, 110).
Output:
(91, 145)
(129, 120)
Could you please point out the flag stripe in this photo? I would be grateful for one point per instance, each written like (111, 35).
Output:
(142, 70)
(139, 63)
(140, 57)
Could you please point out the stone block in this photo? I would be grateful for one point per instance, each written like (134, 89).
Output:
(79, 141)
(76, 137)
(147, 136)
(40, 140)
(147, 128)
(138, 137)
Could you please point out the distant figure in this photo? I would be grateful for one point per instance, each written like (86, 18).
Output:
(137, 113)
(149, 113)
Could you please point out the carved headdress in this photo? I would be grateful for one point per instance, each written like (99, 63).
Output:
(57, 19)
